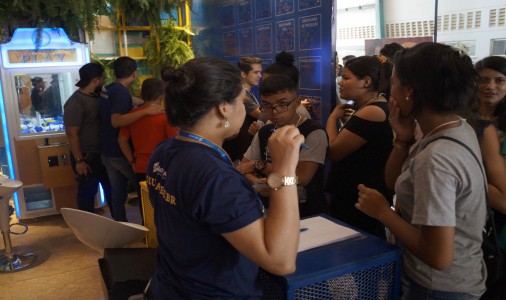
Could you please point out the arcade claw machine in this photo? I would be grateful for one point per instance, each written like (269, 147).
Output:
(38, 74)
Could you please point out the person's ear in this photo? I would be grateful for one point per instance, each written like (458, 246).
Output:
(223, 109)
(298, 101)
(243, 74)
(367, 82)
(409, 92)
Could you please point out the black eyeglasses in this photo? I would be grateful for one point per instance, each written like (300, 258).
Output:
(280, 108)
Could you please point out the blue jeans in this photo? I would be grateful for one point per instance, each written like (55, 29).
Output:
(87, 186)
(120, 172)
(413, 291)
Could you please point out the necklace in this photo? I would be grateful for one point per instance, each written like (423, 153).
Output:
(439, 126)
(367, 102)
(359, 108)
(299, 121)
(296, 124)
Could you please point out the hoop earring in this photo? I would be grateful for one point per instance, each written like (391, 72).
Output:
(226, 124)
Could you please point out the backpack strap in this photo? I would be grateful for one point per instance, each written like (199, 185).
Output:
(467, 148)
(263, 138)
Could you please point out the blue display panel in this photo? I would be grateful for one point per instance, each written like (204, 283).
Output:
(311, 67)
(310, 33)
(285, 36)
(264, 36)
(308, 4)
(244, 11)
(230, 44)
(246, 41)
(228, 16)
(263, 9)
(284, 7)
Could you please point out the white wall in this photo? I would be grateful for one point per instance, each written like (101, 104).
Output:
(404, 11)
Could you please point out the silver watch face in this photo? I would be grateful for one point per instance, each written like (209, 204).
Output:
(274, 181)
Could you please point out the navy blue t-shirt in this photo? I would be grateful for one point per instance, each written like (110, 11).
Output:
(196, 197)
(117, 100)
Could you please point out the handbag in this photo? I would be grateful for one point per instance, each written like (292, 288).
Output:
(492, 253)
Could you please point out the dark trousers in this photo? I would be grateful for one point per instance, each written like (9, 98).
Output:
(87, 186)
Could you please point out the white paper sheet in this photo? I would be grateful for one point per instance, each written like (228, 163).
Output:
(319, 231)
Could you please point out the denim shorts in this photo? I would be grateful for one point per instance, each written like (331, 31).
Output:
(413, 291)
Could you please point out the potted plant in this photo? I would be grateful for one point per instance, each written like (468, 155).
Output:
(108, 65)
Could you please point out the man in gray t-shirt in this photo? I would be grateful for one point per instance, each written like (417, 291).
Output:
(82, 127)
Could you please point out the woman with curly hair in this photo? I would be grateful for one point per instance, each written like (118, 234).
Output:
(439, 184)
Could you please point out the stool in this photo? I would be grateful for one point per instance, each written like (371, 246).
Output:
(125, 271)
(10, 261)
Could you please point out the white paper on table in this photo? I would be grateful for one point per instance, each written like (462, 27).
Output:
(319, 231)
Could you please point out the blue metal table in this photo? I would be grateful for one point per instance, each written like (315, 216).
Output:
(363, 267)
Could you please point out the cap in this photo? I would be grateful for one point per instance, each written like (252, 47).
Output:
(37, 80)
(88, 72)
(54, 78)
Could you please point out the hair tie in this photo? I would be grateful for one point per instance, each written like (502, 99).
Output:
(382, 59)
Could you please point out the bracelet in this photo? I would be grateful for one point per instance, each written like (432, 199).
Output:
(259, 167)
(400, 144)
(79, 160)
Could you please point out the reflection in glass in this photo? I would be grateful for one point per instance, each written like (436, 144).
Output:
(40, 101)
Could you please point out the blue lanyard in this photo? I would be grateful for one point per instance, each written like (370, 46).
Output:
(224, 156)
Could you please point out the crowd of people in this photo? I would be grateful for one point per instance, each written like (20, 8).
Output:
(233, 174)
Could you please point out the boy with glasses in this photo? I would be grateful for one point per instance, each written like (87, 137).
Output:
(279, 104)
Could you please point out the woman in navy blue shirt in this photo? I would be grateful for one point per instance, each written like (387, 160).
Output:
(211, 228)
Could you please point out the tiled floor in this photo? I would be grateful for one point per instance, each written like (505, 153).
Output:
(65, 268)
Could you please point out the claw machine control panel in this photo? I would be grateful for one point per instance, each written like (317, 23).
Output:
(39, 70)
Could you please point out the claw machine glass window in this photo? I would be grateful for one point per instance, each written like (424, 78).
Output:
(40, 100)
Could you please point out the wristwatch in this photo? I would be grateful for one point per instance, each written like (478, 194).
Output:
(259, 167)
(275, 181)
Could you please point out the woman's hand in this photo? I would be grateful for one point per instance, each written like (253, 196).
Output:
(341, 110)
(348, 112)
(371, 202)
(404, 127)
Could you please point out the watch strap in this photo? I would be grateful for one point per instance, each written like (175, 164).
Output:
(281, 181)
(290, 180)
